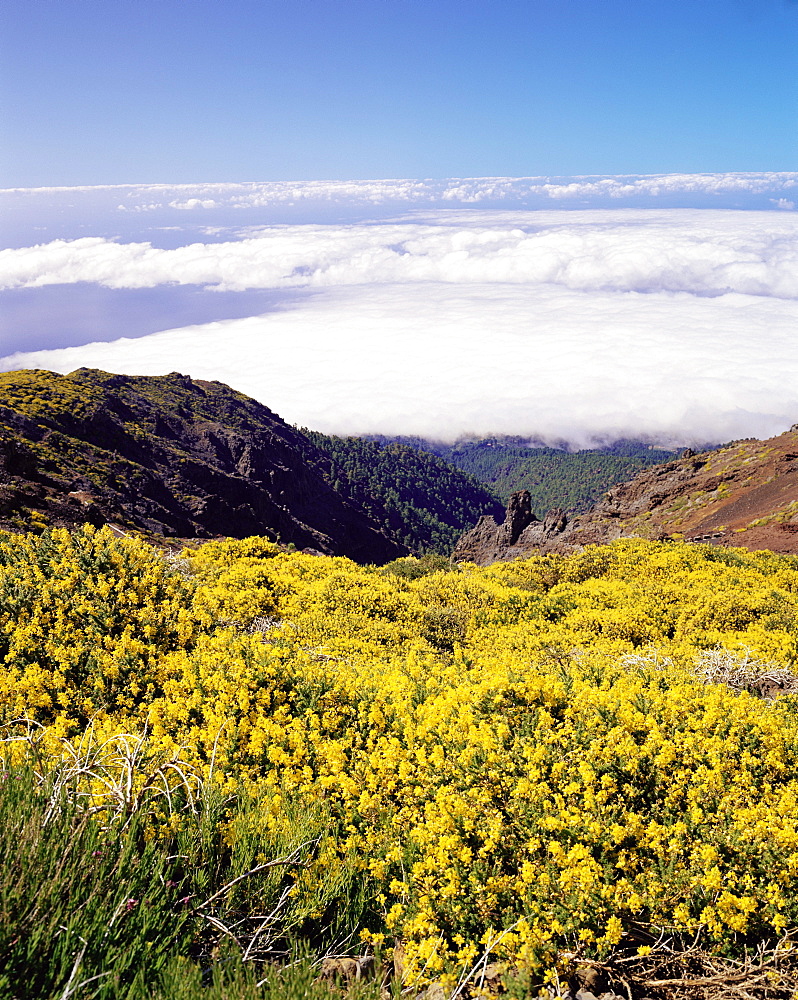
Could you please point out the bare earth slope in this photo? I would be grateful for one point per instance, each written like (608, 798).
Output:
(169, 456)
(745, 494)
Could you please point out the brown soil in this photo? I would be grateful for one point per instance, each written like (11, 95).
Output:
(745, 494)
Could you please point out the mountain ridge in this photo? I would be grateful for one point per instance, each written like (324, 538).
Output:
(175, 457)
(172, 457)
(178, 458)
(743, 494)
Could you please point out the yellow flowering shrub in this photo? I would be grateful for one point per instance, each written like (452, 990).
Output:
(85, 620)
(521, 755)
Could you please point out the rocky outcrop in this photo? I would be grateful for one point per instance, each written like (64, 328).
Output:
(519, 534)
(172, 457)
(518, 517)
(744, 494)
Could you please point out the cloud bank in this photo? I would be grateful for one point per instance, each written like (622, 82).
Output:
(444, 360)
(166, 214)
(600, 191)
(679, 324)
(704, 253)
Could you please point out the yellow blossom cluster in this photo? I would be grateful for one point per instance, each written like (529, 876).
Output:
(522, 756)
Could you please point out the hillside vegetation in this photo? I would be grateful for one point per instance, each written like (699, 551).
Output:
(419, 500)
(491, 778)
(554, 477)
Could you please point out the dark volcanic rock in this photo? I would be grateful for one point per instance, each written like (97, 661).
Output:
(519, 534)
(170, 456)
(519, 516)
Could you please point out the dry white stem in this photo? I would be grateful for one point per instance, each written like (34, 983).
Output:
(291, 859)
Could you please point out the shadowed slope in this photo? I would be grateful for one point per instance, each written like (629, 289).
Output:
(169, 456)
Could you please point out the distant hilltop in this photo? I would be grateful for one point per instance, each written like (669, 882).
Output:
(744, 494)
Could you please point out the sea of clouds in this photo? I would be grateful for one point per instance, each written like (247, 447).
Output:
(581, 308)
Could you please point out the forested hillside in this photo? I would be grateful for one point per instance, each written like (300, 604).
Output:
(554, 477)
(419, 500)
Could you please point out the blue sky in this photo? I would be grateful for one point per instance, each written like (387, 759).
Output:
(132, 91)
(569, 219)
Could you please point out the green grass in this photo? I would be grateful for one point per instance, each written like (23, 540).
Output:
(95, 905)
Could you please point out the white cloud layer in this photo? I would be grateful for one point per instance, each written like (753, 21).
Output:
(700, 252)
(443, 360)
(678, 324)
(508, 191)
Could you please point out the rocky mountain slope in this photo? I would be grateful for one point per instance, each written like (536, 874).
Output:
(168, 456)
(745, 494)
